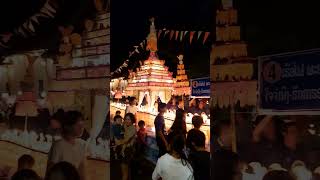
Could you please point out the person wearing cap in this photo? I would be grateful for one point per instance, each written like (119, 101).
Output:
(70, 148)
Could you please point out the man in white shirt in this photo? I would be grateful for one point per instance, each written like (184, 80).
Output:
(70, 148)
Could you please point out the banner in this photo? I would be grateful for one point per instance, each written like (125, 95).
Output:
(289, 83)
(200, 88)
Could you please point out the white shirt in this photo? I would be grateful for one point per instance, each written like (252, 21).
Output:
(170, 168)
(131, 109)
(62, 150)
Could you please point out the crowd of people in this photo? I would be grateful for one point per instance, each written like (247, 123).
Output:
(273, 149)
(67, 156)
(182, 155)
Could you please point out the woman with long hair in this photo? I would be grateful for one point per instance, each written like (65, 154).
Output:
(179, 125)
(174, 165)
(127, 144)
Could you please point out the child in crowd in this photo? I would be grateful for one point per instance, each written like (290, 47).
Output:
(117, 131)
(118, 113)
(117, 128)
(141, 136)
(197, 122)
(25, 162)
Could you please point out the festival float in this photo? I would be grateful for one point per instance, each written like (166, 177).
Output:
(78, 80)
(152, 82)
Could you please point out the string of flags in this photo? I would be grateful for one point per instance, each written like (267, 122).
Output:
(131, 53)
(48, 11)
(181, 35)
(163, 33)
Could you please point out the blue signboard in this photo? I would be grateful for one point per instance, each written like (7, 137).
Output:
(200, 88)
(290, 82)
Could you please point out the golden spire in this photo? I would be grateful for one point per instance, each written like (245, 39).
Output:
(152, 38)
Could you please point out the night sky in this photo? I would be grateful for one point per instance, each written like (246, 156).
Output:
(279, 26)
(271, 26)
(130, 25)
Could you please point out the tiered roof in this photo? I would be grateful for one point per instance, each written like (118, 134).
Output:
(153, 73)
(232, 71)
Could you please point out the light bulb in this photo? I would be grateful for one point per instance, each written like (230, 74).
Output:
(43, 94)
(19, 93)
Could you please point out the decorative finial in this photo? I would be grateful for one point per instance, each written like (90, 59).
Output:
(180, 57)
(152, 20)
(152, 37)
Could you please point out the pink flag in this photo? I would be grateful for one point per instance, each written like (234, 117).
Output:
(171, 34)
(206, 35)
(177, 34)
(191, 36)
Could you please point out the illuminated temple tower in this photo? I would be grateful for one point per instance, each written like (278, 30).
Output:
(182, 85)
(232, 71)
(152, 79)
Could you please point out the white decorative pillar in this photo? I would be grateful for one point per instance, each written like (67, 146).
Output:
(99, 114)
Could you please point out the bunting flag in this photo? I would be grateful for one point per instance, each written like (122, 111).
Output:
(206, 35)
(177, 34)
(141, 45)
(191, 36)
(199, 34)
(167, 31)
(28, 27)
(181, 35)
(35, 19)
(136, 49)
(171, 34)
(31, 27)
(185, 33)
(159, 33)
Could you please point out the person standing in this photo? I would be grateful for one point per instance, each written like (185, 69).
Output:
(192, 135)
(200, 158)
(70, 148)
(127, 145)
(161, 130)
(132, 108)
(174, 165)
